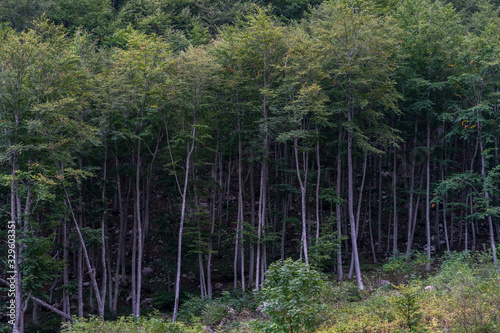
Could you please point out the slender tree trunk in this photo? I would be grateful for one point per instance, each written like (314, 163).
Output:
(212, 225)
(358, 209)
(80, 252)
(318, 181)
(350, 206)
(92, 271)
(101, 305)
(372, 244)
(379, 215)
(240, 210)
(251, 270)
(412, 190)
(427, 195)
(395, 205)
(15, 220)
(121, 241)
(338, 213)
(303, 184)
(66, 304)
(487, 197)
(190, 148)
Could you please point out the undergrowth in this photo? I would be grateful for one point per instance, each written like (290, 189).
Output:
(462, 296)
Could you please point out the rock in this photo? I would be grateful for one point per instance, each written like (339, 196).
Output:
(147, 270)
(384, 282)
(433, 248)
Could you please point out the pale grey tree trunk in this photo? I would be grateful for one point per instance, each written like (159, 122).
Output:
(189, 148)
(303, 188)
(427, 194)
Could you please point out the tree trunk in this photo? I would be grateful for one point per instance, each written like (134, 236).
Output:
(395, 205)
(189, 149)
(427, 194)
(91, 271)
(350, 206)
(338, 213)
(303, 184)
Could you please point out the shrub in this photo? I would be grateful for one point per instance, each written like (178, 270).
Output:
(238, 300)
(213, 312)
(341, 292)
(469, 283)
(193, 308)
(406, 306)
(403, 265)
(289, 297)
(381, 307)
(216, 313)
(454, 264)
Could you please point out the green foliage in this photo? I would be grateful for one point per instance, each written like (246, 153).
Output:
(323, 251)
(403, 266)
(163, 300)
(454, 264)
(407, 307)
(379, 304)
(20, 14)
(341, 292)
(238, 300)
(221, 310)
(92, 15)
(289, 297)
(38, 267)
(151, 324)
(216, 313)
(193, 308)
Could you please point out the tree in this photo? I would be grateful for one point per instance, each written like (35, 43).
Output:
(289, 296)
(475, 116)
(143, 68)
(41, 133)
(430, 40)
(258, 48)
(357, 49)
(195, 74)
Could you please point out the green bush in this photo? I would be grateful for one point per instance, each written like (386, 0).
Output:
(380, 306)
(454, 264)
(216, 313)
(238, 300)
(213, 312)
(406, 306)
(341, 292)
(470, 284)
(289, 297)
(193, 308)
(402, 266)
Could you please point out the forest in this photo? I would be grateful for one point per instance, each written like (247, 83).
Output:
(249, 165)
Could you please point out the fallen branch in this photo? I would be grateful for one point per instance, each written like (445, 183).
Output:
(44, 304)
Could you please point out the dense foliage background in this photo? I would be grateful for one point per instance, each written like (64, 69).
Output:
(153, 148)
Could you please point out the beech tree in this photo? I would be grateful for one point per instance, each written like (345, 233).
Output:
(173, 138)
(357, 49)
(41, 133)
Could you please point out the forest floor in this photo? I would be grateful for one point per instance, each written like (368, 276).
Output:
(460, 294)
